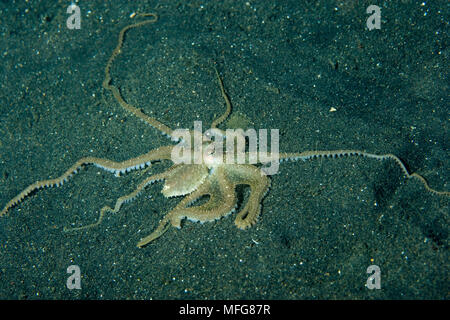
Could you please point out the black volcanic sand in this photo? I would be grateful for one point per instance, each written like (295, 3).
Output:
(284, 66)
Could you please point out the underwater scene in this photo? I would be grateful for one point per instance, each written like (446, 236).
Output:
(224, 150)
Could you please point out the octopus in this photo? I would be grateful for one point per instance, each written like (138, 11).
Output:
(209, 178)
